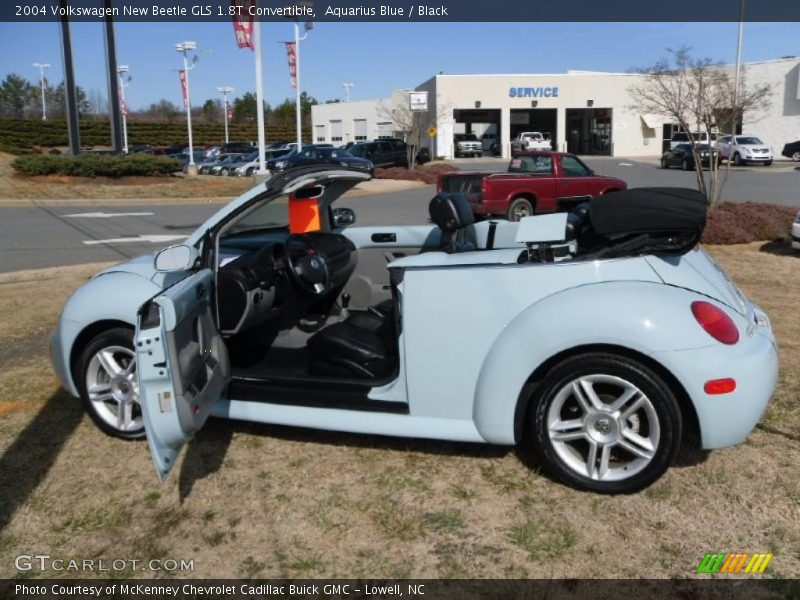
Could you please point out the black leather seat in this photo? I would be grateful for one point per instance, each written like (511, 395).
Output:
(344, 350)
(453, 215)
(374, 318)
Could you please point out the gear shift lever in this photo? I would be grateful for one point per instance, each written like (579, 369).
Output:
(345, 299)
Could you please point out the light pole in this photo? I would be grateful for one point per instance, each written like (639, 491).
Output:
(124, 81)
(347, 87)
(299, 117)
(42, 67)
(184, 48)
(738, 68)
(225, 91)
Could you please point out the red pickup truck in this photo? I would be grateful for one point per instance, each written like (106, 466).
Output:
(536, 182)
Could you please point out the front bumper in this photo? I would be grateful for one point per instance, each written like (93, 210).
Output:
(796, 236)
(727, 419)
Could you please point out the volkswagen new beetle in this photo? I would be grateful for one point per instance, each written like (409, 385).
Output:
(601, 336)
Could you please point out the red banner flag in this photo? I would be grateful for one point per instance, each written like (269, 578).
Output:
(229, 109)
(243, 22)
(292, 56)
(182, 74)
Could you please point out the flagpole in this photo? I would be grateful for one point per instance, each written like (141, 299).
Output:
(262, 167)
(298, 116)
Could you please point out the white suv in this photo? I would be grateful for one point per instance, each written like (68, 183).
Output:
(743, 149)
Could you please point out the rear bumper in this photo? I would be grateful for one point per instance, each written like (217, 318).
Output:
(727, 419)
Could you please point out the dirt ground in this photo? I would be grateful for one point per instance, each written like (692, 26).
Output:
(261, 501)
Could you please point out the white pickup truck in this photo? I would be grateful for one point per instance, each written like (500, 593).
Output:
(530, 140)
(467, 144)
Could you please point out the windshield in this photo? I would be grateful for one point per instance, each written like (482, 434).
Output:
(250, 157)
(532, 164)
(272, 214)
(467, 137)
(748, 141)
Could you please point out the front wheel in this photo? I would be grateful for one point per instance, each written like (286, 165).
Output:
(737, 160)
(106, 378)
(520, 208)
(685, 165)
(768, 163)
(606, 423)
(796, 156)
(664, 163)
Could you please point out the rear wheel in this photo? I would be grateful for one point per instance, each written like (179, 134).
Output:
(768, 163)
(519, 208)
(250, 171)
(685, 165)
(106, 379)
(664, 163)
(737, 160)
(796, 156)
(606, 423)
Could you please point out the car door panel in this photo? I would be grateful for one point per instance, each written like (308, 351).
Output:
(182, 365)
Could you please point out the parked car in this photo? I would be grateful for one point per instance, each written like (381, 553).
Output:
(387, 153)
(609, 336)
(682, 156)
(530, 141)
(489, 141)
(742, 149)
(249, 164)
(224, 163)
(140, 149)
(466, 144)
(319, 155)
(537, 182)
(204, 167)
(700, 137)
(198, 155)
(792, 150)
(796, 232)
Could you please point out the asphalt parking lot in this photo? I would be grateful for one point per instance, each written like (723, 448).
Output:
(38, 236)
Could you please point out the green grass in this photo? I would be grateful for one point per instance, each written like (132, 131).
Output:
(542, 540)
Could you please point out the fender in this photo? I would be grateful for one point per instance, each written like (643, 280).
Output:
(113, 296)
(641, 316)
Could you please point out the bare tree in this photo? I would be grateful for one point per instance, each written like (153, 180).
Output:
(413, 124)
(701, 96)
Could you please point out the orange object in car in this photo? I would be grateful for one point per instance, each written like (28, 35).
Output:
(304, 215)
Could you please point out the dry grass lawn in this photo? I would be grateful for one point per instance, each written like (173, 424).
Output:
(260, 501)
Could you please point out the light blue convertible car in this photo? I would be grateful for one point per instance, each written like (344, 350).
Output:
(601, 336)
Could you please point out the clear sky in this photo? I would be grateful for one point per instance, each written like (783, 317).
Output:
(376, 57)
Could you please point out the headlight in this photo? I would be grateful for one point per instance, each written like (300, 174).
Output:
(280, 164)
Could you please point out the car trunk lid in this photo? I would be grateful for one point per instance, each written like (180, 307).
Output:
(697, 270)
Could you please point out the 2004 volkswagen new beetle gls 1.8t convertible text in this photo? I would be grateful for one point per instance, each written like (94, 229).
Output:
(601, 336)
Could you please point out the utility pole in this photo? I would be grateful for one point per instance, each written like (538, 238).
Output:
(43, 85)
(70, 97)
(124, 81)
(347, 87)
(225, 91)
(184, 48)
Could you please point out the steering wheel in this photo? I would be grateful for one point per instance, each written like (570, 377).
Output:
(306, 265)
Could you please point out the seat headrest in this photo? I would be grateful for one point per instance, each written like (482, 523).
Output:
(451, 212)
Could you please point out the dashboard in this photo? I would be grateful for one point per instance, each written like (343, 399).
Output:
(256, 282)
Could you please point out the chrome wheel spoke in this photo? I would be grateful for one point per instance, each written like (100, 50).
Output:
(109, 363)
(636, 405)
(103, 396)
(590, 398)
(626, 397)
(591, 460)
(565, 431)
(124, 415)
(636, 444)
(605, 457)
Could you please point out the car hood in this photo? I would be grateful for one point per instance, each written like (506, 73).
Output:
(141, 265)
(698, 271)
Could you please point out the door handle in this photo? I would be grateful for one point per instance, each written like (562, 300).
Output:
(384, 237)
(200, 290)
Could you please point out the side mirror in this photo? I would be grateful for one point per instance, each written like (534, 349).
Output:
(342, 217)
(175, 258)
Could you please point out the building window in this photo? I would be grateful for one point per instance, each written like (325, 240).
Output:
(359, 129)
(319, 133)
(336, 131)
(385, 130)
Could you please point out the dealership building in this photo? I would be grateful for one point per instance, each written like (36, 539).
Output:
(589, 113)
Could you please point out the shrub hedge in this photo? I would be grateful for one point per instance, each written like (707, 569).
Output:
(741, 223)
(20, 136)
(95, 165)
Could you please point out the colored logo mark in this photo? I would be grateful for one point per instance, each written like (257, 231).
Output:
(737, 562)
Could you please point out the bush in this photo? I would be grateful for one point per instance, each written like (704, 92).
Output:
(93, 165)
(741, 223)
(425, 174)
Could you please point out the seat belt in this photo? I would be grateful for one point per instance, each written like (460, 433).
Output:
(490, 235)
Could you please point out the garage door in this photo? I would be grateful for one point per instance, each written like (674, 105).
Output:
(319, 133)
(360, 129)
(385, 130)
(336, 131)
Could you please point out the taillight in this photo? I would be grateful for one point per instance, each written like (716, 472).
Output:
(716, 322)
(485, 186)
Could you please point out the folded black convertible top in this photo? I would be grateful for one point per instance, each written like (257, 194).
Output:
(653, 210)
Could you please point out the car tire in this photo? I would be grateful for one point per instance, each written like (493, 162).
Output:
(685, 165)
(768, 163)
(605, 450)
(250, 172)
(519, 208)
(103, 393)
(664, 163)
(223, 172)
(737, 160)
(796, 156)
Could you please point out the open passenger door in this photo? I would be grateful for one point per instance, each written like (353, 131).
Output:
(181, 363)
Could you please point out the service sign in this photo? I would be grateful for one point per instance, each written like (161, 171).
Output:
(418, 100)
